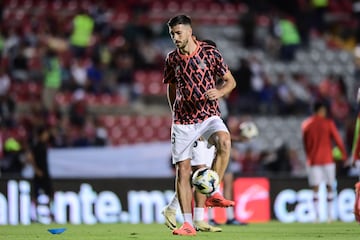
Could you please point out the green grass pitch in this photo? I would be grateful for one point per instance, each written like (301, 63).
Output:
(260, 231)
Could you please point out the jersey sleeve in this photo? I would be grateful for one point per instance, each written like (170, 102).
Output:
(304, 136)
(169, 73)
(221, 68)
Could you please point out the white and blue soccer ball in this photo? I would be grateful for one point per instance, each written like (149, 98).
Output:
(205, 180)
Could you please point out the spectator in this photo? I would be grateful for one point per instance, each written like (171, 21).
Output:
(95, 77)
(7, 110)
(52, 78)
(78, 109)
(287, 103)
(248, 26)
(19, 65)
(99, 12)
(11, 42)
(267, 96)
(83, 26)
(123, 66)
(101, 134)
(79, 74)
(299, 86)
(289, 37)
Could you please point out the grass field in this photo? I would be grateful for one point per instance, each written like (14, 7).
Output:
(259, 231)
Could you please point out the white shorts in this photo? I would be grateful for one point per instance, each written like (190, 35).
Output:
(322, 174)
(202, 154)
(184, 136)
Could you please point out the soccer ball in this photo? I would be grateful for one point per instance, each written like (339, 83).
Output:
(205, 180)
(248, 130)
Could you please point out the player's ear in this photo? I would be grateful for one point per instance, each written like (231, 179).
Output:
(190, 31)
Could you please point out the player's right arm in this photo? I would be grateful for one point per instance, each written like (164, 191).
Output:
(169, 79)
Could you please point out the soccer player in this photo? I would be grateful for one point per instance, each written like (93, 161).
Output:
(355, 160)
(190, 72)
(38, 158)
(202, 156)
(318, 134)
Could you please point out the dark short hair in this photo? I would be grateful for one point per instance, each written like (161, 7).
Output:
(318, 104)
(180, 19)
(210, 42)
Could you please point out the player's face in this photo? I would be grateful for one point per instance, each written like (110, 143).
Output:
(180, 35)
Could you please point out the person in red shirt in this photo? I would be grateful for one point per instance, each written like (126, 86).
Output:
(319, 133)
(191, 72)
(355, 160)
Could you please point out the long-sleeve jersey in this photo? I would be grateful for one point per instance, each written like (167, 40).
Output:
(319, 134)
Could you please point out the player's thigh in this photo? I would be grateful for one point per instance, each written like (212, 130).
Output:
(215, 127)
(330, 174)
(182, 140)
(315, 175)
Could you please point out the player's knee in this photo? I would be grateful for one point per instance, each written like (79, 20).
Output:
(224, 144)
(184, 171)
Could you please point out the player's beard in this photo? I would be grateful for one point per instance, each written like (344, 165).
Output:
(183, 44)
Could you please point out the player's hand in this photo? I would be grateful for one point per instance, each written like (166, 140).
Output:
(213, 94)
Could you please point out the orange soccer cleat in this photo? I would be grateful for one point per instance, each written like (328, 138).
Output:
(217, 200)
(185, 230)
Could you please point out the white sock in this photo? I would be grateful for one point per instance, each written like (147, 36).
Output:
(316, 205)
(188, 218)
(210, 214)
(174, 203)
(230, 213)
(330, 201)
(199, 214)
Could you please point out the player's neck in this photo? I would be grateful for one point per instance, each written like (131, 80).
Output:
(189, 49)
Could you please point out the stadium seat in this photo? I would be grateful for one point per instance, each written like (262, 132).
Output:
(150, 82)
(128, 129)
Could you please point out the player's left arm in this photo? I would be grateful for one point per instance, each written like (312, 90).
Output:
(171, 95)
(228, 85)
(339, 142)
(355, 152)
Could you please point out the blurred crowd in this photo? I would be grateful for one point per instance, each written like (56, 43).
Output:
(96, 47)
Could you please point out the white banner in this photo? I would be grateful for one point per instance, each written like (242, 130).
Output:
(140, 160)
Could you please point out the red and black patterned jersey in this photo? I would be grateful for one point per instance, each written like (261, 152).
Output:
(193, 76)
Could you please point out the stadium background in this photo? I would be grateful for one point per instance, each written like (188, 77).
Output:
(109, 94)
